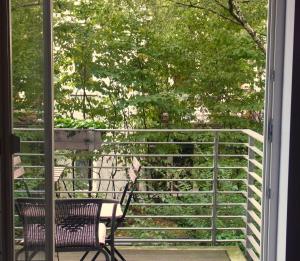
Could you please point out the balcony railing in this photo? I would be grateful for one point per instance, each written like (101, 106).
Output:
(197, 186)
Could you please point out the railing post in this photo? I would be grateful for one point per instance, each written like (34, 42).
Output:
(215, 188)
(250, 181)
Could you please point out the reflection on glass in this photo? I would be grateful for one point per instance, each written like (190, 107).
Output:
(28, 91)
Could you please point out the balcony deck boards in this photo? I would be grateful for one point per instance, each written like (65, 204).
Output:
(159, 255)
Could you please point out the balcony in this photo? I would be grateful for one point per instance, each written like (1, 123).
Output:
(199, 191)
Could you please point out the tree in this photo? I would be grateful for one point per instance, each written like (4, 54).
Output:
(145, 58)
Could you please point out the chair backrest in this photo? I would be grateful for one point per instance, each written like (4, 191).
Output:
(136, 165)
(32, 214)
(133, 173)
(76, 220)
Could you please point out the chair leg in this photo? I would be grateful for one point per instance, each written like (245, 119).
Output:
(119, 254)
(96, 255)
(84, 256)
(109, 252)
(57, 255)
(19, 252)
(32, 255)
(112, 253)
(104, 253)
(26, 255)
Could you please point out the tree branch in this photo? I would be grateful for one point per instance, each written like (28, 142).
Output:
(236, 12)
(237, 15)
(191, 5)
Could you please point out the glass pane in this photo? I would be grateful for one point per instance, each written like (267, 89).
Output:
(28, 124)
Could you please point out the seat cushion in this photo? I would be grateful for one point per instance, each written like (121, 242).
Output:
(102, 233)
(107, 209)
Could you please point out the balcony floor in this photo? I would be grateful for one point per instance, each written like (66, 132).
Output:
(175, 254)
(161, 255)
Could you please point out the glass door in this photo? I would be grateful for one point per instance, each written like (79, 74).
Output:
(6, 148)
(32, 95)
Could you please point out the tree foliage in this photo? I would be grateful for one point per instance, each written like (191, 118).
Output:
(127, 63)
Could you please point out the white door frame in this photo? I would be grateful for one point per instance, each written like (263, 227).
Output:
(277, 127)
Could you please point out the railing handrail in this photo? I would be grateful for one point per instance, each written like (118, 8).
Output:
(246, 131)
(254, 135)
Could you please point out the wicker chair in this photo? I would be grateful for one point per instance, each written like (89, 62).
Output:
(78, 226)
(114, 214)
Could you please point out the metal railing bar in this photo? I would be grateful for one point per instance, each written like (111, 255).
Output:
(28, 129)
(149, 155)
(31, 166)
(255, 217)
(232, 155)
(228, 167)
(168, 216)
(230, 240)
(120, 180)
(255, 204)
(139, 180)
(245, 218)
(32, 141)
(253, 254)
(171, 204)
(118, 192)
(155, 142)
(166, 240)
(249, 132)
(245, 194)
(255, 231)
(256, 150)
(163, 167)
(231, 204)
(138, 192)
(256, 190)
(159, 130)
(230, 216)
(215, 188)
(230, 228)
(179, 228)
(256, 163)
(152, 143)
(124, 168)
(169, 142)
(231, 192)
(254, 135)
(232, 143)
(167, 228)
(29, 154)
(255, 176)
(233, 180)
(120, 167)
(186, 204)
(254, 243)
(166, 155)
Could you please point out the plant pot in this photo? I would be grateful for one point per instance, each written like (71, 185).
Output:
(77, 139)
